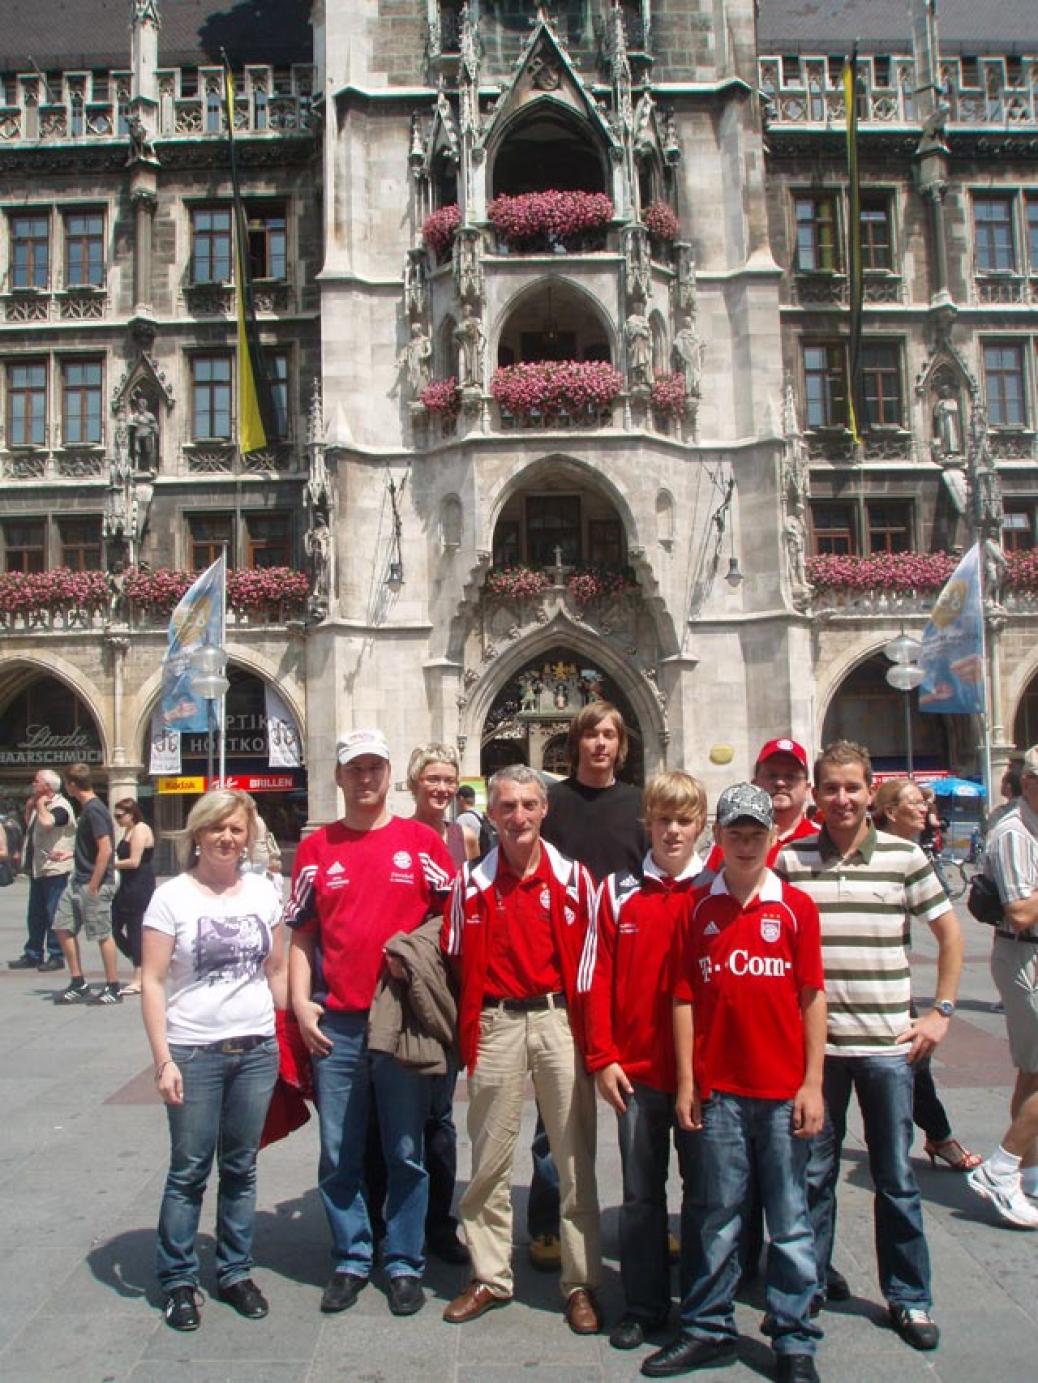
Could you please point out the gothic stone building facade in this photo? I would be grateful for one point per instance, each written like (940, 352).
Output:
(554, 302)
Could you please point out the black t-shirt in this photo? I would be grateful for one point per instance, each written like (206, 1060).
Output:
(600, 827)
(94, 823)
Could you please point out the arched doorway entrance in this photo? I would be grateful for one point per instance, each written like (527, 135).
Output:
(529, 717)
(43, 724)
(867, 710)
(1025, 724)
(279, 788)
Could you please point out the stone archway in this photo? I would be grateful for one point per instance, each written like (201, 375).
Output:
(864, 708)
(47, 722)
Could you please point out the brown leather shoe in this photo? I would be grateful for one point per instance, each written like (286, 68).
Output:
(472, 1302)
(582, 1314)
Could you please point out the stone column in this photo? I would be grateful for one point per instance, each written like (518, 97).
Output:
(144, 200)
(117, 646)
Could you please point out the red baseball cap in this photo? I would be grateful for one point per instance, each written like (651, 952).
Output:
(784, 746)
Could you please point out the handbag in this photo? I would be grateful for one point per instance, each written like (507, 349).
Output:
(984, 901)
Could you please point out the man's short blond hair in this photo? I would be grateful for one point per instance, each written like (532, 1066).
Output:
(674, 793)
(842, 753)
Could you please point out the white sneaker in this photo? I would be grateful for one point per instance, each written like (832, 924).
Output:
(1006, 1195)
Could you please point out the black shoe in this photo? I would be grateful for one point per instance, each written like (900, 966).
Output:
(341, 1292)
(405, 1294)
(796, 1368)
(51, 963)
(75, 993)
(915, 1325)
(246, 1298)
(24, 963)
(685, 1353)
(109, 994)
(628, 1333)
(448, 1248)
(837, 1288)
(181, 1309)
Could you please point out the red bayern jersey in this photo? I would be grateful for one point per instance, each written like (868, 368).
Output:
(626, 971)
(804, 827)
(522, 958)
(352, 890)
(743, 969)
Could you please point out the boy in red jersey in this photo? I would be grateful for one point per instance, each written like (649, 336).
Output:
(749, 1037)
(629, 1035)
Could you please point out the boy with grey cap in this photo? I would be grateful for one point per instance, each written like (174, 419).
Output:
(749, 1038)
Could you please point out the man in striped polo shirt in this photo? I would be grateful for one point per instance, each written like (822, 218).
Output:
(869, 886)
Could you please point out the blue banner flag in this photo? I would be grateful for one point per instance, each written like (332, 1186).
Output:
(197, 620)
(953, 645)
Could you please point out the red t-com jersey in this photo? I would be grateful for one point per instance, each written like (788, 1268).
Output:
(743, 969)
(352, 890)
(522, 959)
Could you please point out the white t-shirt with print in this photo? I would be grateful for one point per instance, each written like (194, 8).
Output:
(217, 987)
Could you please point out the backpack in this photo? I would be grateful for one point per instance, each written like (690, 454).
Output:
(984, 901)
(487, 835)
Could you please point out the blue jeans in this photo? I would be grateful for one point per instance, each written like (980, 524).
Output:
(343, 1082)
(225, 1105)
(739, 1133)
(883, 1085)
(644, 1132)
(44, 893)
(542, 1206)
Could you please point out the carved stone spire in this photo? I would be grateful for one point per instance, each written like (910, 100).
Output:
(145, 12)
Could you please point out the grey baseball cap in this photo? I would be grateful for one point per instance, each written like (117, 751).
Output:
(744, 802)
(1030, 766)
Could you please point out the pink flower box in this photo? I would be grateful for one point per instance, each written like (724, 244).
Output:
(442, 397)
(439, 227)
(668, 394)
(660, 221)
(552, 387)
(556, 216)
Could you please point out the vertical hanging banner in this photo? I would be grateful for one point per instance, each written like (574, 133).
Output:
(255, 404)
(197, 620)
(283, 747)
(953, 645)
(164, 756)
(856, 409)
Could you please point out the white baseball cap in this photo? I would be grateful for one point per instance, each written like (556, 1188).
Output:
(359, 742)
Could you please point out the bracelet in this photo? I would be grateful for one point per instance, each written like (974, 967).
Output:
(159, 1069)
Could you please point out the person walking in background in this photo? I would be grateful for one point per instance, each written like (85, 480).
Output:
(133, 864)
(265, 855)
(86, 905)
(47, 852)
(901, 807)
(213, 970)
(1008, 1179)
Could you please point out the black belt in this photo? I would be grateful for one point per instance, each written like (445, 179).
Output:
(537, 1004)
(233, 1046)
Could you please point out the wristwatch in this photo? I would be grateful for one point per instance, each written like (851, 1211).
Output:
(945, 1007)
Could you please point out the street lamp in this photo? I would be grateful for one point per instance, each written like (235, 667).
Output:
(208, 681)
(905, 676)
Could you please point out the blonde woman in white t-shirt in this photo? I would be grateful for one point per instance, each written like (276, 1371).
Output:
(213, 971)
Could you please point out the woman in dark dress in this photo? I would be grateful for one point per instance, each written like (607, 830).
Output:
(133, 860)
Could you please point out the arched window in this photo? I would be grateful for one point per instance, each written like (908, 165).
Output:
(549, 149)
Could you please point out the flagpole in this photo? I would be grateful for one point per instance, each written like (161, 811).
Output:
(984, 662)
(223, 646)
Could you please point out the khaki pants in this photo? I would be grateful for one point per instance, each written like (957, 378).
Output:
(510, 1045)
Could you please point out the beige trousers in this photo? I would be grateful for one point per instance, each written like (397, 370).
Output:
(510, 1045)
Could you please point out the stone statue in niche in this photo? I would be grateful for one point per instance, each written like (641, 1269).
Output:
(471, 342)
(638, 337)
(144, 436)
(947, 423)
(318, 544)
(415, 360)
(688, 356)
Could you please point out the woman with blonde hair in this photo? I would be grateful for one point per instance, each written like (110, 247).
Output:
(900, 807)
(213, 971)
(432, 775)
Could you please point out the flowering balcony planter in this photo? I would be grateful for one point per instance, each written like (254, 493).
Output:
(438, 230)
(551, 222)
(597, 582)
(55, 599)
(442, 398)
(549, 393)
(515, 583)
(254, 594)
(881, 572)
(668, 396)
(662, 224)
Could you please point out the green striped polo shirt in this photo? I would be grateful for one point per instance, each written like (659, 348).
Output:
(867, 903)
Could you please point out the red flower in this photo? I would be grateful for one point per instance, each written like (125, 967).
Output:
(439, 227)
(660, 221)
(556, 215)
(516, 583)
(556, 386)
(668, 394)
(441, 396)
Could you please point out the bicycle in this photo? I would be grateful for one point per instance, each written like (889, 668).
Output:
(955, 875)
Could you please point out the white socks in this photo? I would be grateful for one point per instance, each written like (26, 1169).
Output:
(1003, 1164)
(1029, 1181)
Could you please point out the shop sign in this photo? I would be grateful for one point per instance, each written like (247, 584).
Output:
(257, 782)
(172, 787)
(41, 746)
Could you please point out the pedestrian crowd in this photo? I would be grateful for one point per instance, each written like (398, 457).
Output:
(728, 1007)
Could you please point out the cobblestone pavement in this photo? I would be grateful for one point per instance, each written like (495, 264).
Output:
(83, 1157)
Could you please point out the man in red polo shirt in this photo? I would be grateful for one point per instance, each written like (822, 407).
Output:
(782, 771)
(515, 927)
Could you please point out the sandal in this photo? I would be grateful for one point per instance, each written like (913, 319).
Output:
(129, 989)
(953, 1154)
